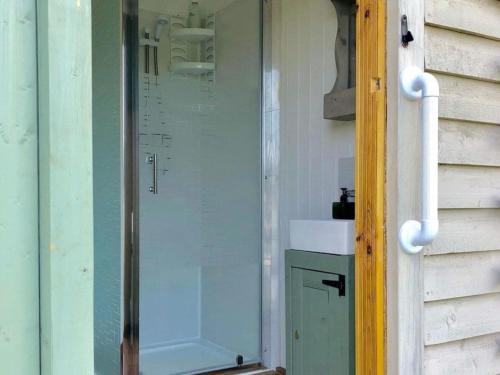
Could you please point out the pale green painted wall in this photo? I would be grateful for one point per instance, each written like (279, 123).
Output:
(19, 344)
(66, 205)
(48, 252)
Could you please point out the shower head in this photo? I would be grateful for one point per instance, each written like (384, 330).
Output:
(160, 24)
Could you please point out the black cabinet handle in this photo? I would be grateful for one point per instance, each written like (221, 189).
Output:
(339, 284)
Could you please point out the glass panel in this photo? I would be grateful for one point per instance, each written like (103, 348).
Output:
(200, 225)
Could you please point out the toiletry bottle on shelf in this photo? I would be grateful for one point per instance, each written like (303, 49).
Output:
(194, 18)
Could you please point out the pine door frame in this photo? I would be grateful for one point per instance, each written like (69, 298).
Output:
(370, 258)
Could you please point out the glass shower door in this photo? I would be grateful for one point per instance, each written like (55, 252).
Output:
(199, 150)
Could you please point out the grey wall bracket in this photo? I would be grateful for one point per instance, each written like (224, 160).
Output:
(340, 103)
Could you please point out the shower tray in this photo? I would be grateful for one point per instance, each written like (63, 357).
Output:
(181, 358)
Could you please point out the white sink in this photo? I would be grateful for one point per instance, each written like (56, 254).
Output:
(323, 236)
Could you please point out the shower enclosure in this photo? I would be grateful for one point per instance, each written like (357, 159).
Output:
(196, 182)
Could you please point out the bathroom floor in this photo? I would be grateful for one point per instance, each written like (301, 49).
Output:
(181, 358)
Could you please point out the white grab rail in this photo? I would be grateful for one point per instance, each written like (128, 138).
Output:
(415, 84)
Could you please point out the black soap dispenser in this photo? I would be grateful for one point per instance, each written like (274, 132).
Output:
(344, 209)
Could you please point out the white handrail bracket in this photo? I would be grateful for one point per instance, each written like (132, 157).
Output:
(407, 234)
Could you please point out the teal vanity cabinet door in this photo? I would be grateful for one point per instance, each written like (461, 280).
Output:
(319, 323)
(316, 348)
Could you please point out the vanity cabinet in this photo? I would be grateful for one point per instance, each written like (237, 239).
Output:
(319, 313)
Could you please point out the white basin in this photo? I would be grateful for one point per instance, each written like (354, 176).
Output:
(323, 236)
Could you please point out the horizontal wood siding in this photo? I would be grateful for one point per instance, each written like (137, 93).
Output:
(477, 356)
(469, 187)
(461, 54)
(461, 318)
(466, 230)
(462, 266)
(468, 99)
(469, 143)
(460, 275)
(479, 17)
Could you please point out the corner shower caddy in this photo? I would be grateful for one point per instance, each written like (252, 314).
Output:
(184, 40)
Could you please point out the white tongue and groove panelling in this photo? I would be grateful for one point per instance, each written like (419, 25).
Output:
(462, 267)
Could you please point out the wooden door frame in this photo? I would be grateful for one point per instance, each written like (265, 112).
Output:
(370, 259)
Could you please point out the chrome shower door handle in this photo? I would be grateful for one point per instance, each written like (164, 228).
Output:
(153, 160)
(417, 85)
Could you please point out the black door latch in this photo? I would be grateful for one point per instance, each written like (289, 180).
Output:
(339, 284)
(406, 36)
